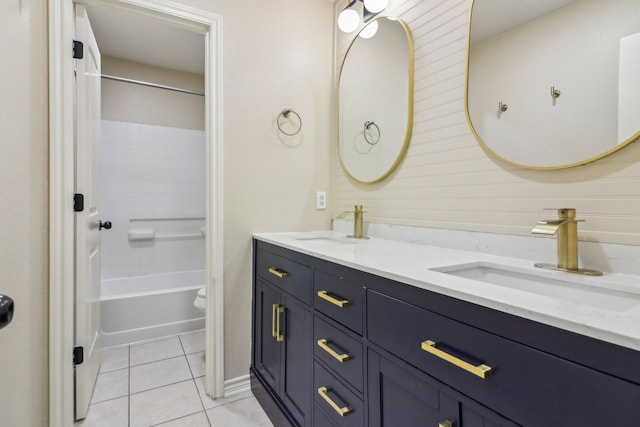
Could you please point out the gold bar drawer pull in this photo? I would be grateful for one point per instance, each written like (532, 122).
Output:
(483, 371)
(322, 391)
(445, 423)
(339, 357)
(278, 272)
(339, 302)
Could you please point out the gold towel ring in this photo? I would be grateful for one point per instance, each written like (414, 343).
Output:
(286, 113)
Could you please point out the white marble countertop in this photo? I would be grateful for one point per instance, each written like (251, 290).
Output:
(605, 307)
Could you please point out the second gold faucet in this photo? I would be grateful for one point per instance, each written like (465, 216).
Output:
(566, 229)
(358, 223)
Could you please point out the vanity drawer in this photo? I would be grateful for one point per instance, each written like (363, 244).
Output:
(339, 299)
(286, 274)
(333, 398)
(339, 351)
(320, 419)
(526, 385)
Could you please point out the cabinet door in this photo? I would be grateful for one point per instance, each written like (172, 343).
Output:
(297, 359)
(472, 415)
(267, 349)
(401, 396)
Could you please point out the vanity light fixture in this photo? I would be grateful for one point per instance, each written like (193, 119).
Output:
(375, 6)
(349, 20)
(370, 30)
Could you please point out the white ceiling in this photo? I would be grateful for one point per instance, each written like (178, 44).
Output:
(492, 17)
(141, 38)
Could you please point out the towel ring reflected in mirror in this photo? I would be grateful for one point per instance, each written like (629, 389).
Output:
(366, 133)
(286, 113)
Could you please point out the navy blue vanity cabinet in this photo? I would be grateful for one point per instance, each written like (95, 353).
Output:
(334, 346)
(340, 351)
(526, 385)
(339, 298)
(338, 348)
(267, 349)
(401, 395)
(282, 359)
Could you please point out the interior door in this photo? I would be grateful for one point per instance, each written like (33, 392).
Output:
(87, 229)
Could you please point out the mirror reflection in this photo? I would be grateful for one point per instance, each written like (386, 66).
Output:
(375, 110)
(554, 83)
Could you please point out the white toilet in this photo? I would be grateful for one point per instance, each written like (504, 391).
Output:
(201, 299)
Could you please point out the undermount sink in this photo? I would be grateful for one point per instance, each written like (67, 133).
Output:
(581, 291)
(326, 239)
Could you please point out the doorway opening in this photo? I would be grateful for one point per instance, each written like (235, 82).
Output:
(171, 18)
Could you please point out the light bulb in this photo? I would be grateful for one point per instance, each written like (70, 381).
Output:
(370, 30)
(348, 20)
(375, 6)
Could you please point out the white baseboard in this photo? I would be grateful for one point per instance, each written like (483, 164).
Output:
(238, 385)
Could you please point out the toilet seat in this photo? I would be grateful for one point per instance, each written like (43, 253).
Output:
(201, 299)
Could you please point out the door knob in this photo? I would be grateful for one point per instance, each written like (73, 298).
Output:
(106, 224)
(6, 310)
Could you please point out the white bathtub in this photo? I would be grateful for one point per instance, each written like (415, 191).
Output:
(146, 307)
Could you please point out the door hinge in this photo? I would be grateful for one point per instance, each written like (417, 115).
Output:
(78, 49)
(78, 202)
(78, 355)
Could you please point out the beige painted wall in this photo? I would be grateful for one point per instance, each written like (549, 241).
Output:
(448, 181)
(24, 171)
(127, 102)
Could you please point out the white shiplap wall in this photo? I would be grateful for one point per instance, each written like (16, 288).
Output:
(447, 181)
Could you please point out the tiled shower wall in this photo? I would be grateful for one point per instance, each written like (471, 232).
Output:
(152, 178)
(447, 181)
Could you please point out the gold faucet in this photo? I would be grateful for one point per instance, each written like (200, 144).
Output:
(566, 229)
(358, 223)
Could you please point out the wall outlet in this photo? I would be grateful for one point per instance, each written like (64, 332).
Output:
(321, 200)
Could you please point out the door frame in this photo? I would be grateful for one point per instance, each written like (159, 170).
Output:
(61, 189)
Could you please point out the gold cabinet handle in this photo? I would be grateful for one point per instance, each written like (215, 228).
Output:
(277, 272)
(274, 309)
(279, 310)
(339, 357)
(322, 391)
(483, 371)
(339, 302)
(445, 423)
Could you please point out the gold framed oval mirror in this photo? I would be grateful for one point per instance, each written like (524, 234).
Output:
(375, 100)
(553, 83)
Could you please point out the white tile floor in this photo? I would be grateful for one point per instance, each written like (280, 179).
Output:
(161, 383)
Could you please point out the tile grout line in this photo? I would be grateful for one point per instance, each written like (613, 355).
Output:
(193, 379)
(162, 386)
(179, 418)
(160, 360)
(129, 393)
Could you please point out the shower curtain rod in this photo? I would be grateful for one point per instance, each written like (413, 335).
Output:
(142, 83)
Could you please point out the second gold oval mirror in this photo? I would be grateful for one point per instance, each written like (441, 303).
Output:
(375, 112)
(554, 83)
